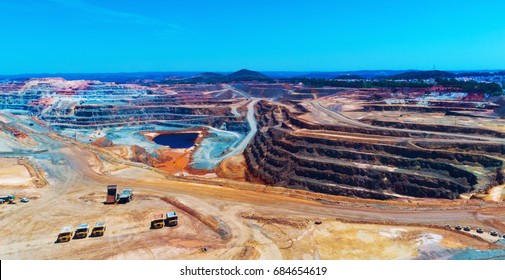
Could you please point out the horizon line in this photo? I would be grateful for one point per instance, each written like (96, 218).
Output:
(265, 71)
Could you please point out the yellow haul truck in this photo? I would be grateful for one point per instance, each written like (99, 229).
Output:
(65, 234)
(81, 231)
(98, 229)
(158, 221)
(171, 218)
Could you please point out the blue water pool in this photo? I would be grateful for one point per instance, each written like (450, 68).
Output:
(177, 140)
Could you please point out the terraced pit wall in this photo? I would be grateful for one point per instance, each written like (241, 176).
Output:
(436, 128)
(358, 168)
(92, 116)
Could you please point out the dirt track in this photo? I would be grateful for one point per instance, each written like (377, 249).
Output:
(211, 216)
(31, 229)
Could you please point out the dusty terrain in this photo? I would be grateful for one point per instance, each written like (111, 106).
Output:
(230, 219)
(13, 174)
(328, 174)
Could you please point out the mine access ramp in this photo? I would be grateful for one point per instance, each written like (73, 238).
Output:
(126, 196)
(98, 229)
(171, 219)
(65, 234)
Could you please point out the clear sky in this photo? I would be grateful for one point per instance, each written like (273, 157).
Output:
(65, 36)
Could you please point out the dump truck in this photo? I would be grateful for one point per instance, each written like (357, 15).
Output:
(81, 231)
(126, 196)
(65, 234)
(98, 229)
(171, 218)
(158, 221)
(112, 195)
(7, 198)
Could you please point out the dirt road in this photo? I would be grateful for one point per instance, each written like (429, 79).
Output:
(211, 216)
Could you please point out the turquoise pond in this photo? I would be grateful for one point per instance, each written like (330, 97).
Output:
(473, 254)
(212, 149)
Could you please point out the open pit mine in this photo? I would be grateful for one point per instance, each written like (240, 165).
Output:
(256, 169)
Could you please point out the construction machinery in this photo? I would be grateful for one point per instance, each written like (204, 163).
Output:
(81, 231)
(65, 234)
(98, 229)
(7, 198)
(171, 218)
(126, 196)
(112, 195)
(158, 221)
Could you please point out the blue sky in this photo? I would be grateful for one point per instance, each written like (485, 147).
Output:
(69, 36)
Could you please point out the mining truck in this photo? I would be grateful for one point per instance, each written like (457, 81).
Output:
(7, 198)
(112, 195)
(158, 221)
(98, 229)
(81, 231)
(171, 218)
(126, 196)
(65, 234)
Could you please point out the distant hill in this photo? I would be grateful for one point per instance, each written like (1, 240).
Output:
(238, 76)
(366, 74)
(421, 75)
(207, 78)
(105, 77)
(247, 75)
(349, 77)
(474, 74)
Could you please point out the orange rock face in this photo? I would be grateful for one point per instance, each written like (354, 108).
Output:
(103, 142)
